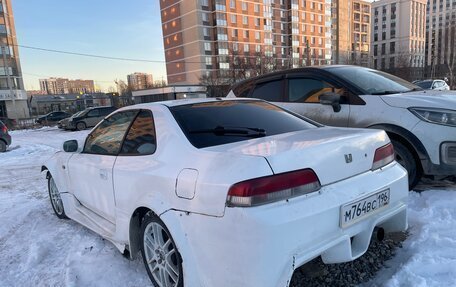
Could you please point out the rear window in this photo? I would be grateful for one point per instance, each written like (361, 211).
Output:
(223, 122)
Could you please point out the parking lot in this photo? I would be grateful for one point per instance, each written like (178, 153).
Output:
(38, 249)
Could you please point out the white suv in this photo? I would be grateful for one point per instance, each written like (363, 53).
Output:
(437, 85)
(420, 123)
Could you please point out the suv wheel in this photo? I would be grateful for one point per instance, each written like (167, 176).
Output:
(2, 146)
(407, 160)
(81, 126)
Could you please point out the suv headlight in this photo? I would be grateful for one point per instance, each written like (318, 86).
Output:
(436, 116)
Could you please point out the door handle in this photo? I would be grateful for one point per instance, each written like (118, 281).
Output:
(104, 174)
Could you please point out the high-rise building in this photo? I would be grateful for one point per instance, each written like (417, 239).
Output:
(351, 31)
(140, 81)
(249, 37)
(441, 39)
(13, 97)
(53, 86)
(398, 37)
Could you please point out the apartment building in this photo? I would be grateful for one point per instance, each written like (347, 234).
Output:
(220, 37)
(55, 86)
(140, 81)
(13, 97)
(351, 30)
(441, 38)
(398, 38)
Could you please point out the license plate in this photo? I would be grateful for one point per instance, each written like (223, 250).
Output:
(352, 212)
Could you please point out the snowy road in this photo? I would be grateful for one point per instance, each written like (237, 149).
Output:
(37, 249)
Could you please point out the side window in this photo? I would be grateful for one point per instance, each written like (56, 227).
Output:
(305, 90)
(269, 91)
(105, 112)
(94, 113)
(107, 137)
(140, 139)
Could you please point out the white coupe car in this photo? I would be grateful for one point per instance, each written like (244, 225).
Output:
(236, 192)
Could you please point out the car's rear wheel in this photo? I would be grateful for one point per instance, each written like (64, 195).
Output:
(2, 146)
(56, 199)
(407, 160)
(161, 257)
(81, 126)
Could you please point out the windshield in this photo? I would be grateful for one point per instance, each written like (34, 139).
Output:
(373, 82)
(78, 114)
(222, 122)
(424, 84)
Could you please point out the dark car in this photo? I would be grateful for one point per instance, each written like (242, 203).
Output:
(52, 117)
(10, 123)
(5, 137)
(90, 117)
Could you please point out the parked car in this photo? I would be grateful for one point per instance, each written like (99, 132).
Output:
(421, 124)
(52, 117)
(437, 85)
(5, 137)
(90, 117)
(260, 188)
(63, 124)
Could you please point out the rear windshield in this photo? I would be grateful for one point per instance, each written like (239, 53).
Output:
(223, 122)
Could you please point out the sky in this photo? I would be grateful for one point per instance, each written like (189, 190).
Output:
(128, 29)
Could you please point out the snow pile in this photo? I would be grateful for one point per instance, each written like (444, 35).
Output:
(38, 249)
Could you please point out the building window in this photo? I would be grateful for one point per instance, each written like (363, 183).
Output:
(245, 20)
(383, 48)
(232, 4)
(207, 46)
(393, 47)
(244, 6)
(256, 8)
(246, 48)
(233, 18)
(375, 50)
(257, 35)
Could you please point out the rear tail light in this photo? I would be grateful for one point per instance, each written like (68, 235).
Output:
(4, 129)
(272, 188)
(383, 156)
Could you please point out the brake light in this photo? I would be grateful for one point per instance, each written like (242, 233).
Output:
(272, 188)
(383, 156)
(4, 129)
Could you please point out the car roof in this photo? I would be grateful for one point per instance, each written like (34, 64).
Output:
(183, 102)
(326, 68)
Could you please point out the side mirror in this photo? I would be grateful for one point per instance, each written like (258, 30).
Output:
(331, 99)
(70, 146)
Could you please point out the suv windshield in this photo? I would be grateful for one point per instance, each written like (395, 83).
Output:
(222, 122)
(373, 82)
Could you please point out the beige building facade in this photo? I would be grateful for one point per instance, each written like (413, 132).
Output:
(221, 36)
(140, 81)
(441, 39)
(398, 37)
(351, 30)
(55, 86)
(13, 97)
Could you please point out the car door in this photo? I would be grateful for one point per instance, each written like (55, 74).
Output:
(92, 118)
(90, 171)
(302, 96)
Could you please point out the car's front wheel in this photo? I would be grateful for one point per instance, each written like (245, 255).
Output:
(81, 126)
(56, 199)
(407, 160)
(161, 257)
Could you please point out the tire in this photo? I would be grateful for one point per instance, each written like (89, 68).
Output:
(407, 160)
(81, 126)
(56, 200)
(2, 146)
(159, 252)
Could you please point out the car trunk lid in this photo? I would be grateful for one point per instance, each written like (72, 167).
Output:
(333, 153)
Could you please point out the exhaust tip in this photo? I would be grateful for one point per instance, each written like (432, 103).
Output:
(379, 233)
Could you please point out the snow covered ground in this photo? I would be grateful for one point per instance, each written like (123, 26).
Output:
(38, 249)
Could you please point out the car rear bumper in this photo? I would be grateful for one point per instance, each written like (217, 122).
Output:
(262, 246)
